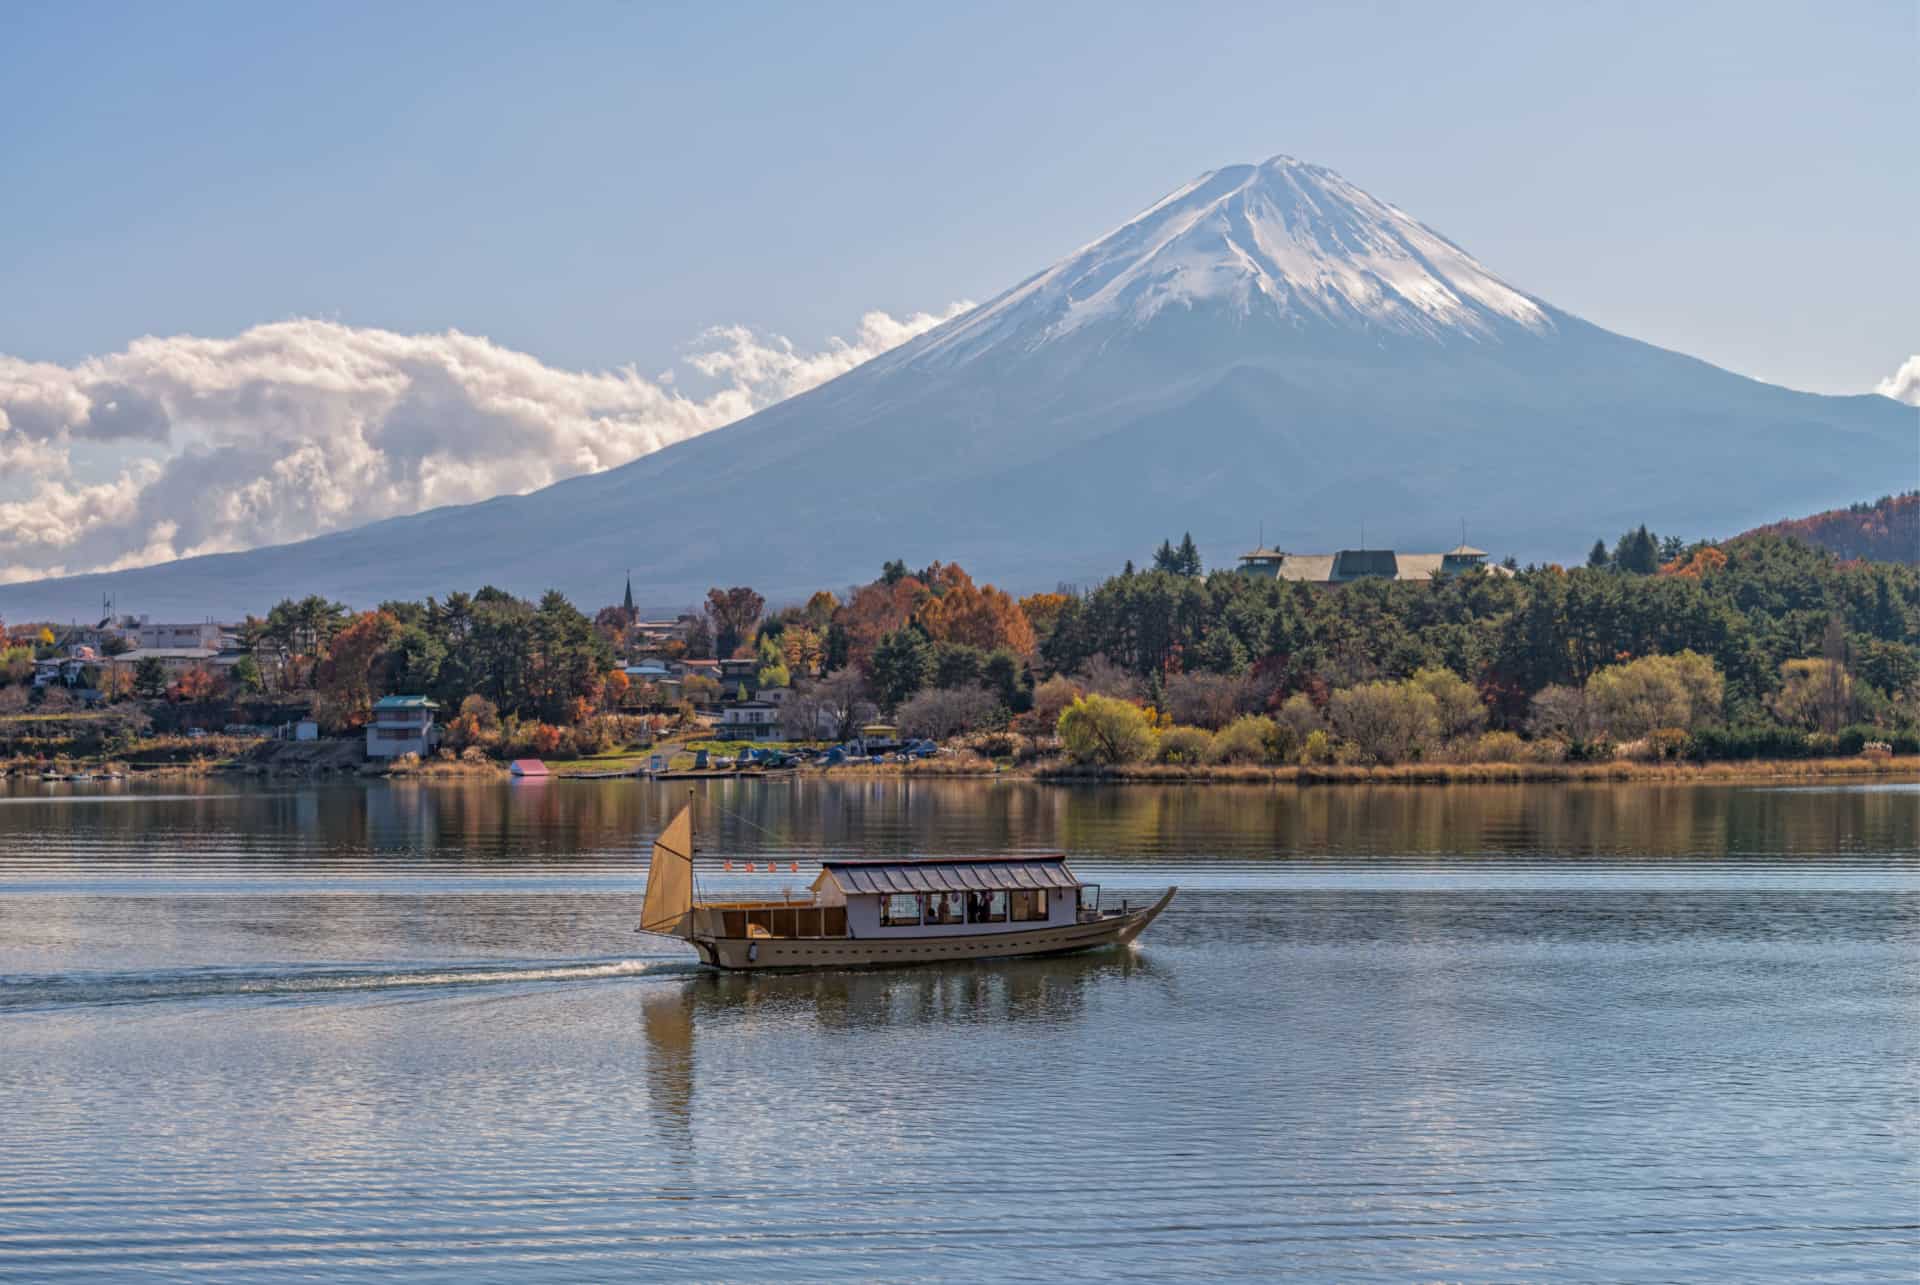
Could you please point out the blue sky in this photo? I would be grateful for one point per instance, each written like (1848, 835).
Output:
(595, 184)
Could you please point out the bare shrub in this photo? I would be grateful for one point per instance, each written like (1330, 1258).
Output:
(942, 712)
(1209, 700)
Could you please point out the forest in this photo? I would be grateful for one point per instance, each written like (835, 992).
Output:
(1760, 646)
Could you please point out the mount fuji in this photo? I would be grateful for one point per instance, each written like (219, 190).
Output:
(1268, 345)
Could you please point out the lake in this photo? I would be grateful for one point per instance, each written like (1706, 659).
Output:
(405, 1030)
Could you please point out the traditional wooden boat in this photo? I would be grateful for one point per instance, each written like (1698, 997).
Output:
(862, 913)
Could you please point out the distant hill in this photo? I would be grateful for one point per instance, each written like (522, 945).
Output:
(1887, 530)
(1268, 349)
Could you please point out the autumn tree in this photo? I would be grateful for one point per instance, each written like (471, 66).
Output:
(802, 650)
(1102, 730)
(734, 613)
(343, 679)
(956, 610)
(1457, 708)
(1386, 722)
(819, 610)
(1683, 690)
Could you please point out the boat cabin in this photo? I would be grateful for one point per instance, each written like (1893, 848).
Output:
(869, 900)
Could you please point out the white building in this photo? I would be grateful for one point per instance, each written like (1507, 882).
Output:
(748, 721)
(206, 634)
(402, 725)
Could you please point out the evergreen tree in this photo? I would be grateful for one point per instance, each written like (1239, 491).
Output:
(1598, 557)
(1165, 559)
(1638, 552)
(839, 645)
(150, 678)
(1671, 548)
(893, 572)
(1187, 560)
(902, 665)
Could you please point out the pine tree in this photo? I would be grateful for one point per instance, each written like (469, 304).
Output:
(1165, 559)
(1598, 557)
(1637, 552)
(1188, 559)
(902, 665)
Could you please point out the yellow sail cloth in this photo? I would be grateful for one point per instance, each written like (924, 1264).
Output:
(668, 908)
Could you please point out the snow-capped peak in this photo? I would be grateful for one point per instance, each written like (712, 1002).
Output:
(1286, 237)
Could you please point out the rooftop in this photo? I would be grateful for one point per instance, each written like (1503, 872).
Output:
(974, 874)
(405, 702)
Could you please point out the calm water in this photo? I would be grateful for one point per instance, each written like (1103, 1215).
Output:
(1505, 1033)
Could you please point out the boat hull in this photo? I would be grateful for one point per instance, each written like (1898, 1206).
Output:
(749, 954)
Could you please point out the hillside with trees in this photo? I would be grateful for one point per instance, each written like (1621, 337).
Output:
(1887, 530)
(1759, 647)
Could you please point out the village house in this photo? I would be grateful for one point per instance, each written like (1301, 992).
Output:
(205, 634)
(752, 720)
(175, 661)
(402, 725)
(1349, 565)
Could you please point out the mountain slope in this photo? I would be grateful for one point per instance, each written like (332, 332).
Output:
(1887, 530)
(1267, 344)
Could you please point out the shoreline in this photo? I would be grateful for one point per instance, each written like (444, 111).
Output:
(325, 765)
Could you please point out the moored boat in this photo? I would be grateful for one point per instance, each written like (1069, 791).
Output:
(860, 913)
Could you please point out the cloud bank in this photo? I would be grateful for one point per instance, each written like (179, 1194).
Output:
(1903, 385)
(298, 428)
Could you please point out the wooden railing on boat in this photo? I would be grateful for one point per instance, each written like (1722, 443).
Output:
(740, 919)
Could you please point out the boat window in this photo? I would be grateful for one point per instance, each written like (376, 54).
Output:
(899, 908)
(946, 908)
(1029, 905)
(986, 907)
(1089, 896)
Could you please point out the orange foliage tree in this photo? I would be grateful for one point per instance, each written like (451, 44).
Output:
(1707, 560)
(343, 680)
(192, 686)
(958, 611)
(875, 611)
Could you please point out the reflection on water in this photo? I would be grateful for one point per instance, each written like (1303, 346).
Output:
(854, 1003)
(489, 828)
(1497, 1034)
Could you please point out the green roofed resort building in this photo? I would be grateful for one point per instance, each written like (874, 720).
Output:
(1364, 564)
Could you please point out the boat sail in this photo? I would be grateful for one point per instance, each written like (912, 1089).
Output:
(669, 903)
(861, 912)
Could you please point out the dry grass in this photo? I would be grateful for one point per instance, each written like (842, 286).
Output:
(1493, 773)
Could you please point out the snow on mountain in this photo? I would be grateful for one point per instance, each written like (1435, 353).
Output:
(1267, 344)
(1294, 239)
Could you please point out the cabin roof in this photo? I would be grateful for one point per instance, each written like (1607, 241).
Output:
(974, 874)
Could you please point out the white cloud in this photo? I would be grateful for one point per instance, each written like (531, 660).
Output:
(1903, 385)
(297, 428)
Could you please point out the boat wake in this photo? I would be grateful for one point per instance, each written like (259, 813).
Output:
(36, 992)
